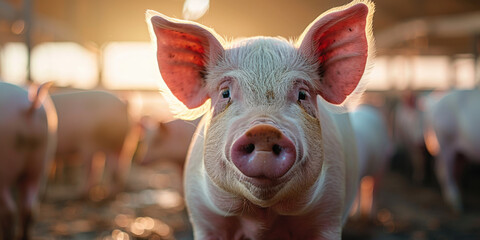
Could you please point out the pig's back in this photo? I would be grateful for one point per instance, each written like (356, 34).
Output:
(95, 116)
(456, 118)
(13, 100)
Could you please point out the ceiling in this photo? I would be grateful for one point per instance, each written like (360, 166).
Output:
(400, 26)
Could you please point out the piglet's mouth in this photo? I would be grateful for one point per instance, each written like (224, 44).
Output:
(264, 182)
(264, 189)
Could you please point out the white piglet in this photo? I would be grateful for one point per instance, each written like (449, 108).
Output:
(269, 160)
(408, 132)
(374, 151)
(91, 122)
(165, 141)
(373, 142)
(27, 145)
(454, 119)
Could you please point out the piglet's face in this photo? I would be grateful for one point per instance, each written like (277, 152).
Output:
(264, 118)
(263, 138)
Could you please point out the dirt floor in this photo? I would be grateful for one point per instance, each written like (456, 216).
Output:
(152, 207)
(408, 211)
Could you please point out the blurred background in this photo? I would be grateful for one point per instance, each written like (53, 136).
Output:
(423, 46)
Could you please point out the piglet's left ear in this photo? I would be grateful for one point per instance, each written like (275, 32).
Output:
(339, 42)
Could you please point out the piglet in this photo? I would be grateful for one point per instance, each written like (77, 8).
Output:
(374, 151)
(408, 132)
(165, 140)
(454, 120)
(91, 122)
(27, 145)
(270, 159)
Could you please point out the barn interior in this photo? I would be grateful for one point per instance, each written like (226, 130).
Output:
(422, 47)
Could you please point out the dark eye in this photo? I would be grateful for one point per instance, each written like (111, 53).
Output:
(302, 95)
(226, 93)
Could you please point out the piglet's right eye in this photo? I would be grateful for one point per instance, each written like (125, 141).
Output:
(226, 93)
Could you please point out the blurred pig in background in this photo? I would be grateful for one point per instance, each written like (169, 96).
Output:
(27, 144)
(165, 140)
(454, 122)
(93, 127)
(408, 130)
(374, 151)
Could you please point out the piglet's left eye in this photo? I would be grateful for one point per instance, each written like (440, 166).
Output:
(226, 93)
(302, 95)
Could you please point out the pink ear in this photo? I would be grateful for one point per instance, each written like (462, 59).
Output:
(184, 49)
(338, 42)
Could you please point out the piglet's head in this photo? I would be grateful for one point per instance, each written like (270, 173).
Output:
(263, 139)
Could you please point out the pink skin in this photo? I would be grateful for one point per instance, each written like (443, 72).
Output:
(268, 160)
(165, 141)
(91, 122)
(454, 119)
(27, 142)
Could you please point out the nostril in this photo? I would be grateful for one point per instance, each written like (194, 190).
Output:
(276, 149)
(249, 148)
(263, 151)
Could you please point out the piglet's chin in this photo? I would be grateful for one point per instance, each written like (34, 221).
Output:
(264, 188)
(276, 194)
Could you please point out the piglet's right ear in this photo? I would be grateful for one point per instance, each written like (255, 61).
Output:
(184, 50)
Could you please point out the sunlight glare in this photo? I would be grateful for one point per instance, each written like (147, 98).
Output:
(378, 75)
(14, 63)
(130, 65)
(169, 199)
(465, 72)
(119, 235)
(194, 9)
(420, 72)
(366, 195)
(66, 63)
(430, 72)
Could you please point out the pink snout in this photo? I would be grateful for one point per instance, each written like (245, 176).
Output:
(263, 152)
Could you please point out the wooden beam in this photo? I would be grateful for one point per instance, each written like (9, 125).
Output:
(27, 33)
(476, 51)
(445, 27)
(7, 11)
